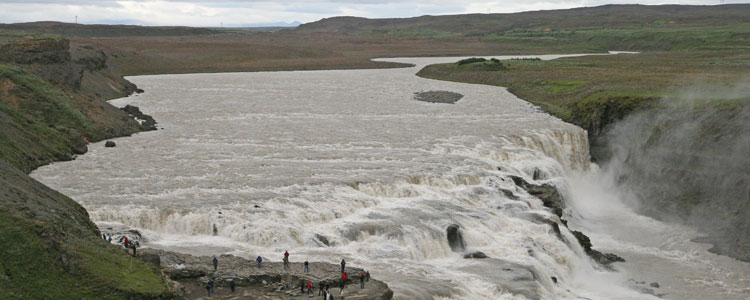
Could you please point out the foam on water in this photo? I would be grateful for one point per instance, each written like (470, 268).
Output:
(332, 164)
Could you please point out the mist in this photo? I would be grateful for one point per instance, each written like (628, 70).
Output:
(687, 161)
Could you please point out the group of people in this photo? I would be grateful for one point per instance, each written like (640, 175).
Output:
(127, 243)
(364, 276)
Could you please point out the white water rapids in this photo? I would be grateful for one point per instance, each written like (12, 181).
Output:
(297, 160)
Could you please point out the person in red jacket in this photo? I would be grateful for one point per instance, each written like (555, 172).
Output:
(309, 287)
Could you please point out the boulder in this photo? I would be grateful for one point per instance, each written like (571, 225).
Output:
(549, 195)
(455, 238)
(151, 258)
(476, 254)
(109, 144)
(604, 259)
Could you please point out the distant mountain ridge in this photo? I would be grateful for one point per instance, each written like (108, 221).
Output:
(600, 17)
(83, 30)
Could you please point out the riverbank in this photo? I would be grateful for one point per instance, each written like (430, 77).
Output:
(269, 281)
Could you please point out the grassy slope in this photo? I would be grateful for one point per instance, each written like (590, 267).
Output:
(51, 250)
(593, 91)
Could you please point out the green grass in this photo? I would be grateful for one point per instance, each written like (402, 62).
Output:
(593, 91)
(51, 250)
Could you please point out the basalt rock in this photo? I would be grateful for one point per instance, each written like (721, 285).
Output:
(549, 195)
(146, 122)
(604, 259)
(476, 254)
(455, 238)
(109, 144)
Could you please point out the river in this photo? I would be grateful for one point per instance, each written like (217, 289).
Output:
(345, 164)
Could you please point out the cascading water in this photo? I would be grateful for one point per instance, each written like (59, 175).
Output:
(344, 164)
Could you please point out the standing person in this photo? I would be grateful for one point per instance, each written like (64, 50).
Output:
(309, 287)
(127, 242)
(109, 239)
(321, 286)
(286, 254)
(286, 263)
(134, 247)
(361, 279)
(302, 286)
(231, 284)
(343, 280)
(367, 276)
(342, 294)
(260, 261)
(343, 265)
(216, 263)
(210, 287)
(307, 266)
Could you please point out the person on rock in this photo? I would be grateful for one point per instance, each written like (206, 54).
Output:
(210, 287)
(127, 242)
(134, 246)
(231, 285)
(109, 239)
(361, 279)
(343, 265)
(367, 276)
(309, 288)
(286, 263)
(343, 280)
(307, 267)
(216, 263)
(260, 261)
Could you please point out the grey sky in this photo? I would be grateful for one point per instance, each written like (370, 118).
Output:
(243, 13)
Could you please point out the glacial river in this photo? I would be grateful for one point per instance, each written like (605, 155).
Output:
(345, 164)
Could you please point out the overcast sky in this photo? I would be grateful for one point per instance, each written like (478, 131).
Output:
(245, 13)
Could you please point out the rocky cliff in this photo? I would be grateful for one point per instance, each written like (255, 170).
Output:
(52, 101)
(51, 105)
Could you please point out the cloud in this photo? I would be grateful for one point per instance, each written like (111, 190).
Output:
(241, 13)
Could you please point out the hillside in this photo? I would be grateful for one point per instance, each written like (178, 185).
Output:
(598, 18)
(51, 250)
(51, 101)
(81, 30)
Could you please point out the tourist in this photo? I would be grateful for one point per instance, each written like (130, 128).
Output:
(343, 280)
(216, 263)
(260, 261)
(309, 287)
(127, 242)
(321, 286)
(302, 286)
(286, 262)
(109, 239)
(231, 285)
(367, 275)
(134, 247)
(342, 294)
(307, 266)
(210, 287)
(361, 279)
(343, 265)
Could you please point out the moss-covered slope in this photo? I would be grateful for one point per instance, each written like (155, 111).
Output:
(51, 250)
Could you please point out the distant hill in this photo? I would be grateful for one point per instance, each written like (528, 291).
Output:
(601, 17)
(81, 30)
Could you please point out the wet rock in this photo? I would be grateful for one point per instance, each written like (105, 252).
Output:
(139, 91)
(554, 279)
(654, 285)
(438, 97)
(109, 144)
(455, 238)
(322, 239)
(515, 278)
(146, 122)
(604, 259)
(151, 258)
(476, 254)
(549, 195)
